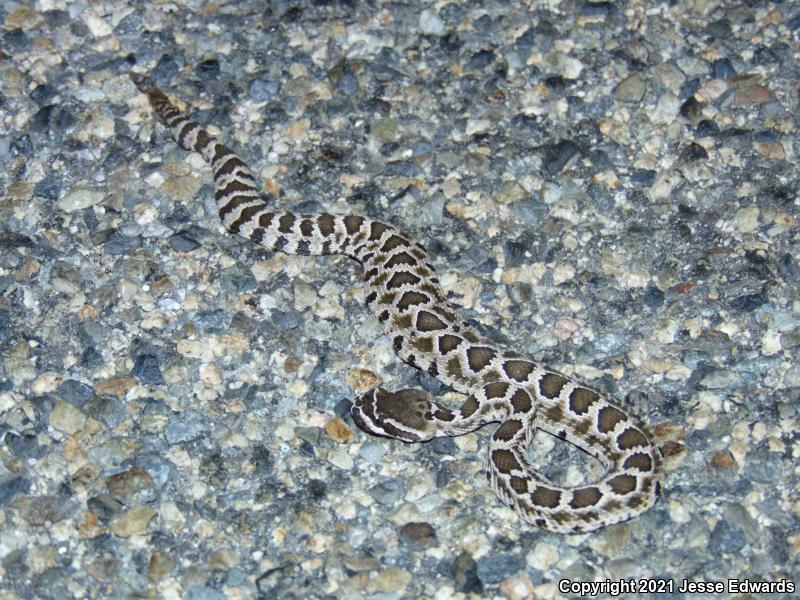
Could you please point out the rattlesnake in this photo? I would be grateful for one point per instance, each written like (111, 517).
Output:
(404, 293)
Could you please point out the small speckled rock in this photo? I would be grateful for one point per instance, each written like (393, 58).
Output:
(393, 579)
(496, 567)
(631, 89)
(338, 431)
(187, 426)
(719, 379)
(66, 417)
(12, 485)
(129, 485)
(385, 129)
(183, 242)
(80, 197)
(372, 451)
(133, 522)
(430, 23)
(388, 492)
(75, 392)
(421, 535)
(666, 109)
(362, 380)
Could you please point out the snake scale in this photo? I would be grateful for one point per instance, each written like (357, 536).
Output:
(404, 293)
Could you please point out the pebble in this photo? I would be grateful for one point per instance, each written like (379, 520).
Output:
(542, 556)
(747, 302)
(127, 484)
(262, 89)
(385, 129)
(497, 566)
(183, 242)
(556, 156)
(719, 379)
(707, 128)
(362, 380)
(310, 435)
(631, 89)
(11, 486)
(67, 418)
(115, 386)
(23, 445)
(80, 197)
(668, 76)
(202, 592)
(518, 588)
(509, 192)
(340, 459)
(723, 459)
(420, 535)
(182, 188)
(388, 492)
(390, 580)
(186, 426)
(722, 68)
(147, 370)
(751, 95)
(666, 109)
(746, 219)
(132, 522)
(726, 537)
(159, 565)
(48, 187)
(372, 451)
(338, 431)
(514, 252)
(75, 392)
(430, 23)
(558, 63)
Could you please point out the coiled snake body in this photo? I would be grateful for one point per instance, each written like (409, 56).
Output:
(404, 293)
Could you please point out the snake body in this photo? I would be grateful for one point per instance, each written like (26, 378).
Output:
(404, 293)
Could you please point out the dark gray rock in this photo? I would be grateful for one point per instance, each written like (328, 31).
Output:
(183, 242)
(147, 370)
(13, 485)
(497, 566)
(75, 392)
(556, 156)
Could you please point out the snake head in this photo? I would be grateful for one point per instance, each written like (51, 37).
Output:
(405, 415)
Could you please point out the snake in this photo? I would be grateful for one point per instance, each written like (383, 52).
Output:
(404, 293)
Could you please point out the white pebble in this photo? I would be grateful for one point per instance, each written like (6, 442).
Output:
(430, 23)
(666, 109)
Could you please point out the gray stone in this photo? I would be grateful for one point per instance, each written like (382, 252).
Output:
(13, 485)
(186, 426)
(631, 89)
(495, 567)
(388, 492)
